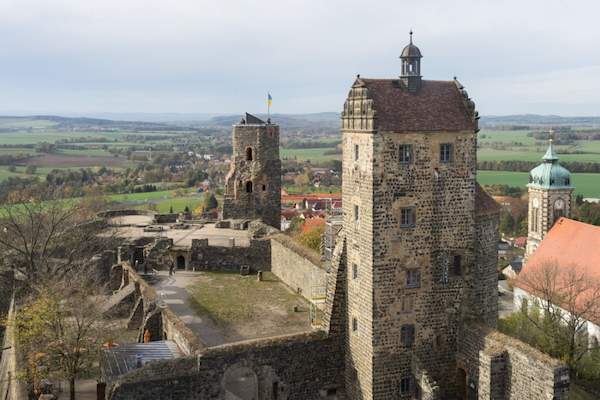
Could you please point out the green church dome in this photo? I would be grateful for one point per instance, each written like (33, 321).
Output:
(550, 174)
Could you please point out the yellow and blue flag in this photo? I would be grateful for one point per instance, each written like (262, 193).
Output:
(269, 99)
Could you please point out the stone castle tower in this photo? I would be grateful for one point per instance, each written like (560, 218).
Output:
(550, 197)
(253, 184)
(420, 233)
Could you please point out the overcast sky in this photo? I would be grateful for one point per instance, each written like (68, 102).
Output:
(223, 56)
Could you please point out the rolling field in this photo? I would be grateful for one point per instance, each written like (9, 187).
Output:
(315, 155)
(587, 185)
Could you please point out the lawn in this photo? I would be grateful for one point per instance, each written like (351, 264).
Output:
(587, 185)
(314, 155)
(246, 307)
(520, 147)
(179, 204)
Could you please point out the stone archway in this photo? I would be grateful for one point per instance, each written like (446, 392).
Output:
(180, 262)
(240, 383)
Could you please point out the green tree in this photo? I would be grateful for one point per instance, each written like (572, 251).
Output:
(209, 201)
(60, 331)
(507, 224)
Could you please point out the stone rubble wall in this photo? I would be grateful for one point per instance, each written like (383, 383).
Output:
(263, 171)
(499, 367)
(298, 267)
(222, 258)
(10, 387)
(172, 327)
(299, 367)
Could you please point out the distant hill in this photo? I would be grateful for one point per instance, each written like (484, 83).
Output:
(315, 120)
(80, 123)
(537, 120)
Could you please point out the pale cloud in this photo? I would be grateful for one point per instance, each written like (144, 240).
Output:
(514, 56)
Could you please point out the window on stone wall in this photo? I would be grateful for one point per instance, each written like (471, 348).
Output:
(354, 271)
(405, 153)
(249, 187)
(407, 217)
(457, 269)
(446, 152)
(356, 152)
(356, 214)
(249, 154)
(407, 335)
(535, 218)
(264, 187)
(405, 384)
(408, 303)
(354, 324)
(413, 278)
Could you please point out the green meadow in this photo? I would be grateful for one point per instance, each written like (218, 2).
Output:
(587, 185)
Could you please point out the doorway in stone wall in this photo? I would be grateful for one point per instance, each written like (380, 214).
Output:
(461, 384)
(180, 262)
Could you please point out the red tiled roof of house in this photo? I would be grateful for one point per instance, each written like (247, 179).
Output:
(521, 241)
(436, 106)
(570, 242)
(312, 196)
(569, 245)
(484, 204)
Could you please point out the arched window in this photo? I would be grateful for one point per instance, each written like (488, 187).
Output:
(249, 187)
(249, 154)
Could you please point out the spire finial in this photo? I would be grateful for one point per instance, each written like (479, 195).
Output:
(410, 33)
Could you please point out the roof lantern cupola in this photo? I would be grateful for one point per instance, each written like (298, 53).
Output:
(411, 66)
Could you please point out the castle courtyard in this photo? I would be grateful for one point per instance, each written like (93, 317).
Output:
(224, 307)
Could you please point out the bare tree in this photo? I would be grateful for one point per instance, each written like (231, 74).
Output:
(46, 235)
(568, 297)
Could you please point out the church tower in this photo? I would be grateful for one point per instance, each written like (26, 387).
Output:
(253, 184)
(550, 197)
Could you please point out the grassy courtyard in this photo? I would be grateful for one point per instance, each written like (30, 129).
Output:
(243, 307)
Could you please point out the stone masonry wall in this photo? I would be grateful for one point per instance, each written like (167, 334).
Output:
(295, 367)
(173, 328)
(483, 289)
(253, 185)
(499, 367)
(220, 258)
(297, 267)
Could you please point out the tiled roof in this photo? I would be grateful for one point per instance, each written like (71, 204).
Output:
(570, 242)
(436, 106)
(568, 245)
(484, 204)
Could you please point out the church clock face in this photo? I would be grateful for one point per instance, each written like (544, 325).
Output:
(559, 204)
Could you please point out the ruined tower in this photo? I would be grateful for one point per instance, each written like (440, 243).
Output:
(420, 233)
(550, 197)
(253, 184)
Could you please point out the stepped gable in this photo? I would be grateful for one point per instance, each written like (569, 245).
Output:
(436, 106)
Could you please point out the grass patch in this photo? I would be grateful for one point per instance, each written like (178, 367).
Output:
(178, 204)
(316, 155)
(229, 298)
